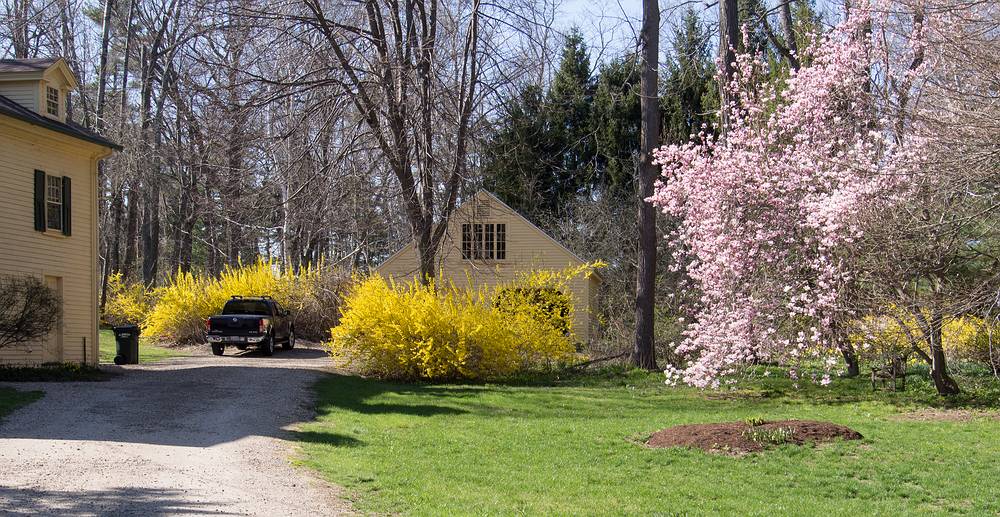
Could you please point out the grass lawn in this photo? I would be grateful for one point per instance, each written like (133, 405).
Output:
(148, 352)
(574, 447)
(11, 399)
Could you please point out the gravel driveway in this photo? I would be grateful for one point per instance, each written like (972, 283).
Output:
(194, 435)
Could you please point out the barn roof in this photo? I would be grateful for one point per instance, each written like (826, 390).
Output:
(15, 110)
(16, 66)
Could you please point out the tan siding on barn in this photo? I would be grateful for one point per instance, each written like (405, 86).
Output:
(24, 251)
(528, 248)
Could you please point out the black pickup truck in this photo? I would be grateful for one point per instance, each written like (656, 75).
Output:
(250, 321)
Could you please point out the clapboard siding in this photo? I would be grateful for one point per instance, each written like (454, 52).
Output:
(24, 93)
(23, 149)
(528, 249)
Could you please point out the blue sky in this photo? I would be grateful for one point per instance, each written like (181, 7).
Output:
(613, 24)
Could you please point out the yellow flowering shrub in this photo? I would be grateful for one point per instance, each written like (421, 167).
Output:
(176, 311)
(443, 332)
(126, 303)
(544, 295)
(971, 338)
(963, 337)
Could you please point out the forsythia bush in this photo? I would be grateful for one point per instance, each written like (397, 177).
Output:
(442, 332)
(546, 305)
(125, 303)
(177, 310)
(965, 337)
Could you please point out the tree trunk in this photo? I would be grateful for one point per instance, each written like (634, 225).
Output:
(151, 234)
(131, 228)
(102, 67)
(112, 260)
(427, 253)
(19, 28)
(944, 383)
(125, 63)
(644, 354)
(728, 36)
(788, 28)
(850, 359)
(68, 52)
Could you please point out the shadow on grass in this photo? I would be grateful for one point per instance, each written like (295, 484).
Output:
(352, 394)
(326, 438)
(542, 400)
(979, 391)
(548, 399)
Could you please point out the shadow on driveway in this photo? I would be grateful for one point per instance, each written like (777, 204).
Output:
(192, 402)
(124, 501)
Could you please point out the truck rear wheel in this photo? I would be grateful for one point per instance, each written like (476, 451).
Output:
(218, 349)
(267, 346)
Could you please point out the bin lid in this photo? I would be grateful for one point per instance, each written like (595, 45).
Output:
(123, 329)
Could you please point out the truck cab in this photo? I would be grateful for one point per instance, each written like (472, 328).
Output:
(247, 321)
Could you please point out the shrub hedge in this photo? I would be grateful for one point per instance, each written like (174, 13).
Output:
(438, 331)
(176, 311)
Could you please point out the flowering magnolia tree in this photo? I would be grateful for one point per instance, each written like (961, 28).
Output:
(774, 212)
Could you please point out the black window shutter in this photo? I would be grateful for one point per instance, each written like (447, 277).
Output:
(39, 201)
(67, 208)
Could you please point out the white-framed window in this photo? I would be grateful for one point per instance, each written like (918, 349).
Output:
(484, 241)
(501, 242)
(54, 202)
(52, 101)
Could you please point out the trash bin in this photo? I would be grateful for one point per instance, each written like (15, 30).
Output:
(127, 338)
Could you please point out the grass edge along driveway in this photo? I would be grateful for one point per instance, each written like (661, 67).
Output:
(148, 352)
(575, 447)
(11, 399)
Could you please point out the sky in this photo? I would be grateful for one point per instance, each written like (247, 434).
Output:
(610, 24)
(613, 25)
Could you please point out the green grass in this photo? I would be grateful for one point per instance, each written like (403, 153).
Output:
(148, 352)
(11, 399)
(574, 446)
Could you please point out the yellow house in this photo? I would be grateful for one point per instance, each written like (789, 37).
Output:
(48, 204)
(488, 242)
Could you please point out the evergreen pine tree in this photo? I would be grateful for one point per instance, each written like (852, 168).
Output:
(569, 123)
(689, 95)
(616, 125)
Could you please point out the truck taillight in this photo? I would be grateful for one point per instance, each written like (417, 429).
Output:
(263, 325)
(208, 324)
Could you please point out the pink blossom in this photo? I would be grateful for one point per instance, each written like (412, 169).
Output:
(771, 214)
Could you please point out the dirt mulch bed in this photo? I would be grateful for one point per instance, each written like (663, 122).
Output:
(731, 437)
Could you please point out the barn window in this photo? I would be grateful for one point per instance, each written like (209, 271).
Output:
(488, 248)
(501, 242)
(52, 101)
(484, 241)
(477, 233)
(54, 202)
(466, 241)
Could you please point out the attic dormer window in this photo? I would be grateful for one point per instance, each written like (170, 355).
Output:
(52, 101)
